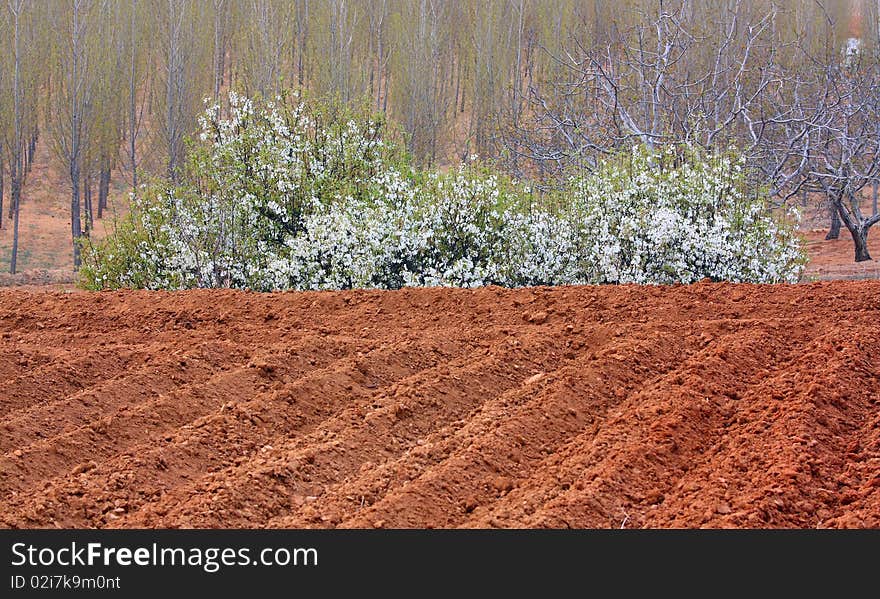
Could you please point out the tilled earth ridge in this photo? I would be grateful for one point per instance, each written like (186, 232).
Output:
(707, 405)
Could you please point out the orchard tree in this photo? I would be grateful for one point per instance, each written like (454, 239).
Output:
(845, 153)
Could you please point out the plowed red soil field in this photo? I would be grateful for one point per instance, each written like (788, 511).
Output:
(712, 405)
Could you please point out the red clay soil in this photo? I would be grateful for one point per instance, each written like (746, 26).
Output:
(709, 405)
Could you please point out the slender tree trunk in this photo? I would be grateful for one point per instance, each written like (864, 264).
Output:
(379, 66)
(371, 58)
(834, 230)
(75, 224)
(14, 173)
(217, 7)
(95, 211)
(15, 164)
(32, 149)
(224, 36)
(132, 101)
(87, 204)
(461, 108)
(303, 46)
(103, 190)
(169, 116)
(174, 88)
(875, 191)
(457, 82)
(2, 181)
(517, 76)
(16, 195)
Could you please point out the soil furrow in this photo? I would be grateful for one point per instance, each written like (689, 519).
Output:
(705, 405)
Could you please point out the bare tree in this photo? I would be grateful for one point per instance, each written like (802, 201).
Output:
(109, 110)
(136, 56)
(382, 52)
(421, 80)
(221, 39)
(301, 21)
(14, 143)
(677, 75)
(74, 94)
(267, 39)
(184, 75)
(845, 156)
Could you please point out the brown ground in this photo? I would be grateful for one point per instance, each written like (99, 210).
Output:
(45, 244)
(703, 405)
(833, 260)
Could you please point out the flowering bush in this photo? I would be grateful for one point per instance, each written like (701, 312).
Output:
(279, 197)
(678, 216)
(256, 180)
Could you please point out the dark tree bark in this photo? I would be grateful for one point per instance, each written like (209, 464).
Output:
(856, 225)
(31, 150)
(103, 190)
(87, 204)
(16, 176)
(13, 174)
(860, 240)
(834, 230)
(16, 196)
(75, 224)
(16, 160)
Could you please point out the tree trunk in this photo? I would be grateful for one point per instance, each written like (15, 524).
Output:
(834, 231)
(2, 181)
(16, 195)
(75, 225)
(15, 174)
(132, 105)
(860, 239)
(87, 205)
(11, 211)
(32, 149)
(875, 191)
(103, 190)
(856, 225)
(379, 66)
(216, 57)
(461, 109)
